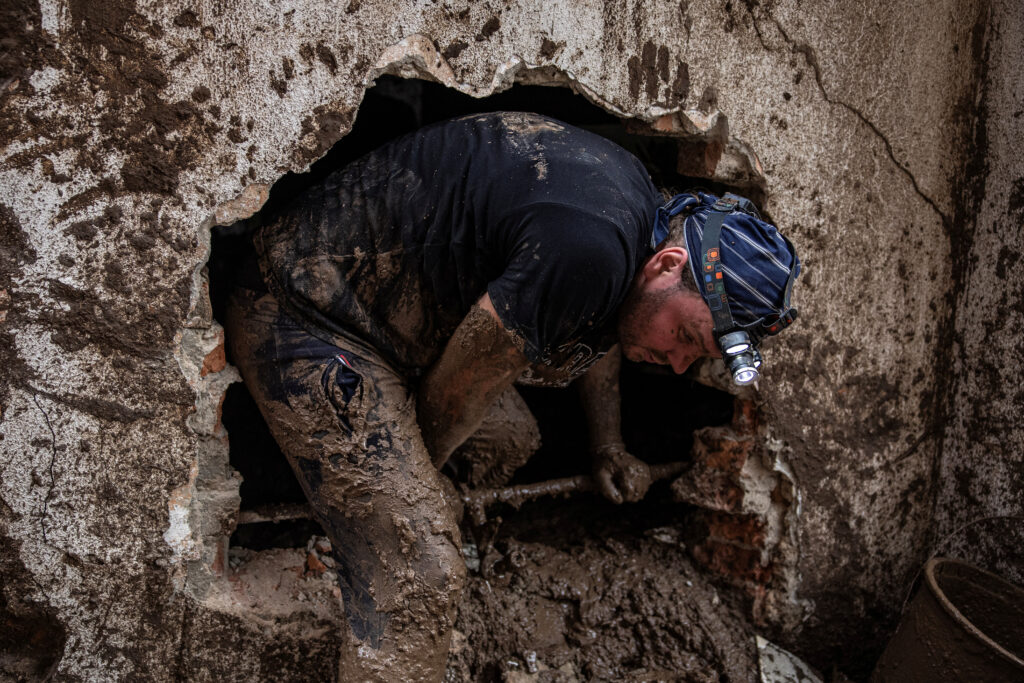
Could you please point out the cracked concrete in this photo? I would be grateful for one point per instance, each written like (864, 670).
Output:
(127, 126)
(53, 459)
(811, 59)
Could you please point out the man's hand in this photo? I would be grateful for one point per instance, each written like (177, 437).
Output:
(620, 476)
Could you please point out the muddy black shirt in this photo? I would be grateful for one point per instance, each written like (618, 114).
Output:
(393, 250)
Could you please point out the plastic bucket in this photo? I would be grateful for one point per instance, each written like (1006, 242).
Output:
(965, 624)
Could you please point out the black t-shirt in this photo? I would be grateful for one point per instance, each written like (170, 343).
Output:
(393, 250)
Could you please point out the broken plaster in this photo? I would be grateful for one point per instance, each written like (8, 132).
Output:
(783, 605)
(416, 56)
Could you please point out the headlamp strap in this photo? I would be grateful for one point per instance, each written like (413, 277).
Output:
(789, 313)
(713, 284)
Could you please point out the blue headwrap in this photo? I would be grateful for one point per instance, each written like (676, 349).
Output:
(756, 259)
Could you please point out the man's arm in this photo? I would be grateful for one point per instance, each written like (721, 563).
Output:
(620, 476)
(479, 362)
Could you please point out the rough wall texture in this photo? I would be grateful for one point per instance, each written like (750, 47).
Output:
(129, 128)
(980, 510)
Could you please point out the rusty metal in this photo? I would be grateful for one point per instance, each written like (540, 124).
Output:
(475, 501)
(281, 512)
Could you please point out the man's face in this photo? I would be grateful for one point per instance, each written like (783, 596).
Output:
(663, 322)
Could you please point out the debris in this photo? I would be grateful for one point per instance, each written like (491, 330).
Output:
(472, 556)
(779, 666)
(314, 566)
(275, 513)
(666, 534)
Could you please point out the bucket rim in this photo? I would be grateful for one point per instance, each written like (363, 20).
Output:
(958, 617)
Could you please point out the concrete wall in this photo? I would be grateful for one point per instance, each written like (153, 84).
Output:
(129, 128)
(980, 509)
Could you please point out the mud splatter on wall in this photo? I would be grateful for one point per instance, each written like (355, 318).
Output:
(980, 509)
(124, 126)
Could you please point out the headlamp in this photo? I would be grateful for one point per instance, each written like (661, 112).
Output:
(737, 343)
(740, 356)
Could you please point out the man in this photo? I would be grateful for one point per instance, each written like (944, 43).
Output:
(399, 301)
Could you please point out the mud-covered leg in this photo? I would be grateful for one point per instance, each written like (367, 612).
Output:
(347, 425)
(398, 539)
(504, 442)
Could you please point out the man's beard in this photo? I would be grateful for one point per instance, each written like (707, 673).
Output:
(638, 308)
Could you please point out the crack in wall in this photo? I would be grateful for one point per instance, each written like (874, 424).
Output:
(53, 460)
(909, 451)
(808, 53)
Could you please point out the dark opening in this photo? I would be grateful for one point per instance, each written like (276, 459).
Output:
(660, 410)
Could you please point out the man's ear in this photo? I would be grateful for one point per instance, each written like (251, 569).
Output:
(668, 260)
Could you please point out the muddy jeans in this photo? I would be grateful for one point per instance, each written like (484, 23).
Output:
(347, 424)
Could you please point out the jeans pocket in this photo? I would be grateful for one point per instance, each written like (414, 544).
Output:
(343, 387)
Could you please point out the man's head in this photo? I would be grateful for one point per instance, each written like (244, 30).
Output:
(666, 320)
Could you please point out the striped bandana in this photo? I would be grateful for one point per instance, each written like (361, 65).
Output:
(756, 259)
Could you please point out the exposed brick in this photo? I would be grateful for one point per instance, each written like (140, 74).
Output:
(738, 565)
(215, 360)
(314, 566)
(699, 157)
(719, 455)
(744, 417)
(745, 530)
(217, 566)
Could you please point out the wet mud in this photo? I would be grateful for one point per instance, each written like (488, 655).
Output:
(347, 426)
(503, 442)
(569, 592)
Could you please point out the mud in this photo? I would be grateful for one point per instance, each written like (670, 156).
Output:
(520, 128)
(347, 425)
(15, 252)
(503, 443)
(479, 362)
(562, 597)
(31, 635)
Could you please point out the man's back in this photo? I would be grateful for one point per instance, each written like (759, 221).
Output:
(393, 250)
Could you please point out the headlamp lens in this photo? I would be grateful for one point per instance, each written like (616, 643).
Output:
(744, 376)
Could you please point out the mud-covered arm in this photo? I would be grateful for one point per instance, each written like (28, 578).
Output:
(620, 476)
(479, 362)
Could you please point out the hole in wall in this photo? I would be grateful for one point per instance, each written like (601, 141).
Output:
(660, 410)
(32, 637)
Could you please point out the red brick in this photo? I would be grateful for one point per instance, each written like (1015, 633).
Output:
(713, 482)
(747, 530)
(744, 417)
(215, 360)
(314, 566)
(736, 564)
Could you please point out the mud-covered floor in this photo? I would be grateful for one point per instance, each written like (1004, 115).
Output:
(575, 591)
(562, 589)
